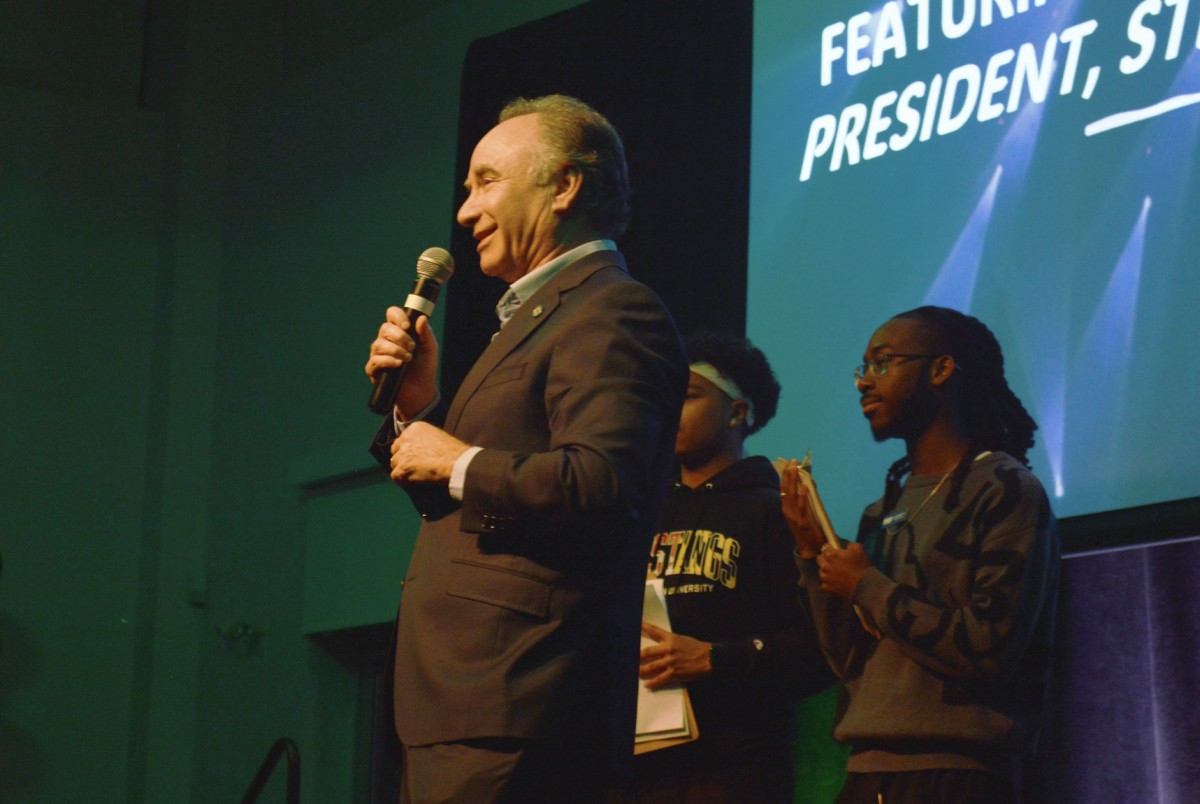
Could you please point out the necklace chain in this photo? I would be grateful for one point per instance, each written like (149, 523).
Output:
(930, 497)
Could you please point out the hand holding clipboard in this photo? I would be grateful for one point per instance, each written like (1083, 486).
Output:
(809, 522)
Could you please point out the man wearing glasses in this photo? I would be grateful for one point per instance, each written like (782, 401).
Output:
(955, 569)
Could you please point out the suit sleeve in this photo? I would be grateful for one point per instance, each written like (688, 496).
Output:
(615, 381)
(430, 501)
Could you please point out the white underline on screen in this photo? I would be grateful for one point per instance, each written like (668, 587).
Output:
(1137, 115)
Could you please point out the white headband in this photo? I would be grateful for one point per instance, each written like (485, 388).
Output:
(730, 388)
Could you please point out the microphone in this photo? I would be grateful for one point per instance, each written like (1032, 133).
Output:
(434, 267)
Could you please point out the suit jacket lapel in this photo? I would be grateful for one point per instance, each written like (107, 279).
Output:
(524, 322)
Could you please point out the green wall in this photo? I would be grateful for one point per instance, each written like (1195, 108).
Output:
(79, 190)
(178, 366)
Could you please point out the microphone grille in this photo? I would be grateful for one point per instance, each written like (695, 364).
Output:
(436, 264)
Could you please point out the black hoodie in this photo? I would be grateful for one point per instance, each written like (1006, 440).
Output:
(726, 559)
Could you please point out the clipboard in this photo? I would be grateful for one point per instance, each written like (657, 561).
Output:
(818, 509)
(647, 746)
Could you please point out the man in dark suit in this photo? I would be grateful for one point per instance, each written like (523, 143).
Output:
(539, 485)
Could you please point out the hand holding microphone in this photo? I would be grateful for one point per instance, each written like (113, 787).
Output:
(395, 353)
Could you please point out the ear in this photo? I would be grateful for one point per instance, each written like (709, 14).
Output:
(567, 188)
(737, 413)
(942, 370)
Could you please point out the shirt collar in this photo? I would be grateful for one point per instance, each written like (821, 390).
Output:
(529, 284)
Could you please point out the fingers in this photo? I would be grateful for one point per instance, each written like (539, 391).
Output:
(840, 569)
(827, 575)
(790, 479)
(658, 682)
(656, 675)
(397, 328)
(655, 667)
(399, 331)
(830, 556)
(796, 510)
(386, 354)
(393, 346)
(393, 339)
(802, 500)
(400, 468)
(397, 317)
(654, 632)
(826, 563)
(788, 486)
(426, 336)
(399, 471)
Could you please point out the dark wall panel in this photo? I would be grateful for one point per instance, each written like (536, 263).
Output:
(1122, 725)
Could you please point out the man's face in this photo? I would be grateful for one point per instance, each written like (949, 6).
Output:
(900, 402)
(705, 419)
(508, 213)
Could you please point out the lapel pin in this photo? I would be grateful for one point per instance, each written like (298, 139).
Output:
(537, 311)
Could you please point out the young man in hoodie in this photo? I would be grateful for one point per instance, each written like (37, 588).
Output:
(742, 641)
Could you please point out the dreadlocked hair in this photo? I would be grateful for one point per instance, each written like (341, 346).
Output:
(995, 419)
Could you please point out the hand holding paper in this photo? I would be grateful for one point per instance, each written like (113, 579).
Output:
(664, 713)
(674, 658)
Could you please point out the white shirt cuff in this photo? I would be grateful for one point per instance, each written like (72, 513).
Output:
(458, 475)
(399, 424)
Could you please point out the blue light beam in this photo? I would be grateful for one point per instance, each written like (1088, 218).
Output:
(954, 285)
(1100, 373)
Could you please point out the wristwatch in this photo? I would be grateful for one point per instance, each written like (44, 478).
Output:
(718, 656)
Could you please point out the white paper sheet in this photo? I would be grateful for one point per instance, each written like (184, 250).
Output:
(660, 713)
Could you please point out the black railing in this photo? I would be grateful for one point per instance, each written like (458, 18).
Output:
(284, 744)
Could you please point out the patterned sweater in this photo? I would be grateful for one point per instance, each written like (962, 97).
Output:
(965, 603)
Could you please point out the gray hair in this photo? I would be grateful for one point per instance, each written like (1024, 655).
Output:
(575, 133)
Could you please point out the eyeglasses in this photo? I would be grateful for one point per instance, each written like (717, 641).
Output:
(878, 366)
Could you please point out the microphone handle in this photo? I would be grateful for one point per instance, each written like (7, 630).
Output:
(388, 382)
